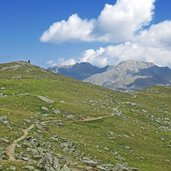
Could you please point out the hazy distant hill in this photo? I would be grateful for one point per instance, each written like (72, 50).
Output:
(79, 71)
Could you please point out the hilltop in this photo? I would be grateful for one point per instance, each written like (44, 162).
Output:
(51, 122)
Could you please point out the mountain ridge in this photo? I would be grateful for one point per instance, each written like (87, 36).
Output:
(79, 71)
(127, 75)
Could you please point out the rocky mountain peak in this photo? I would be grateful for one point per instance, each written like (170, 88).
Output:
(132, 65)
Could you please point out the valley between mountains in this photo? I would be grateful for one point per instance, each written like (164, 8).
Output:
(49, 122)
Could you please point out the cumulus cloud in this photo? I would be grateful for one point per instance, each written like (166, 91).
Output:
(61, 62)
(116, 23)
(158, 35)
(151, 45)
(121, 21)
(114, 54)
(74, 29)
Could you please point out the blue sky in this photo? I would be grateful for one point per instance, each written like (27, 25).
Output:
(22, 23)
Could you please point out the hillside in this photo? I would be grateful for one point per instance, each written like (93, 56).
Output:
(52, 123)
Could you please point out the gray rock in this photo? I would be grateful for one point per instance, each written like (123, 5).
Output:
(56, 164)
(28, 167)
(134, 169)
(13, 168)
(49, 163)
(70, 117)
(37, 156)
(90, 163)
(120, 167)
(27, 120)
(54, 138)
(1, 168)
(102, 168)
(3, 119)
(4, 140)
(108, 166)
(65, 168)
(116, 112)
(45, 109)
(25, 158)
(67, 146)
(45, 99)
(57, 111)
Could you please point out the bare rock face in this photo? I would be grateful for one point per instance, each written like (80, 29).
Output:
(130, 75)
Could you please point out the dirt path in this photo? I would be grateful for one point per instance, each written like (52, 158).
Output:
(10, 150)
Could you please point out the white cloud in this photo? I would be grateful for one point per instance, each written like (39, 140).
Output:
(158, 35)
(116, 23)
(114, 54)
(151, 45)
(61, 62)
(121, 21)
(75, 29)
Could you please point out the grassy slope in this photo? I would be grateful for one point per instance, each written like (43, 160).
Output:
(139, 137)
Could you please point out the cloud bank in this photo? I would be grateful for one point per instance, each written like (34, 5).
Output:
(118, 22)
(126, 25)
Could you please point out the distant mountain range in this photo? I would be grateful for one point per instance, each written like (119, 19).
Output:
(79, 71)
(127, 75)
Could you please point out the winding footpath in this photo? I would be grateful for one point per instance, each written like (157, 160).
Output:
(10, 150)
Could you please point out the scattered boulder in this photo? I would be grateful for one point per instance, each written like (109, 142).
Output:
(65, 168)
(70, 117)
(49, 163)
(13, 168)
(45, 99)
(3, 119)
(28, 167)
(131, 103)
(120, 167)
(68, 146)
(57, 111)
(116, 112)
(5, 140)
(101, 168)
(90, 163)
(45, 109)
